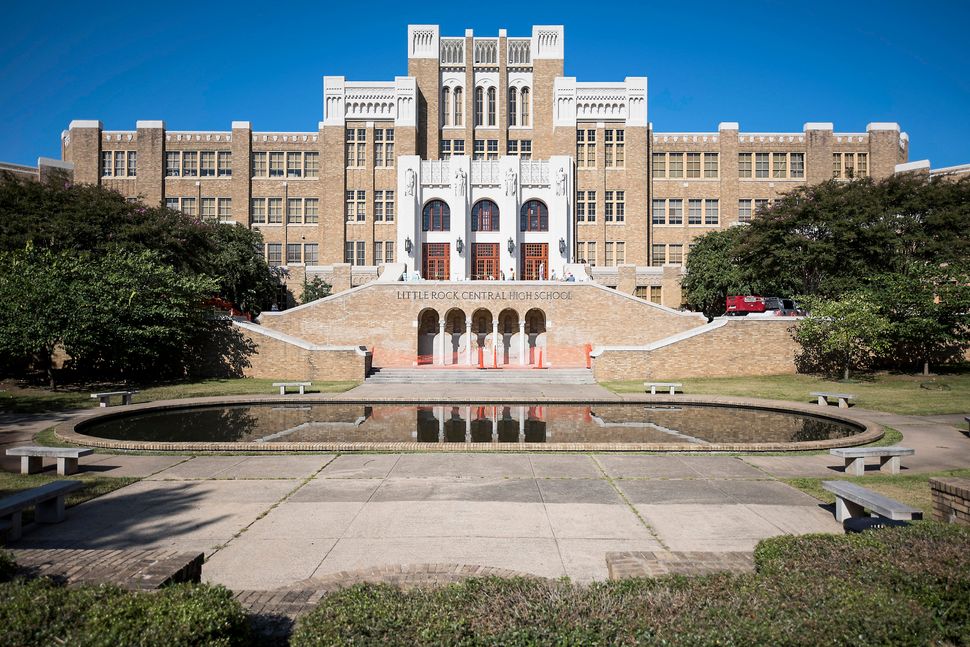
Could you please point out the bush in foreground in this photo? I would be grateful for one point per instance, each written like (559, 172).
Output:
(906, 586)
(39, 612)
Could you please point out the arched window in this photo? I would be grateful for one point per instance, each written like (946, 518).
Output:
(446, 106)
(491, 106)
(459, 103)
(525, 106)
(534, 216)
(479, 106)
(485, 216)
(437, 216)
(513, 109)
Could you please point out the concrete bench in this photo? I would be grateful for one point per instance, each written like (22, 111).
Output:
(105, 398)
(47, 501)
(855, 458)
(672, 386)
(282, 385)
(31, 458)
(843, 398)
(853, 500)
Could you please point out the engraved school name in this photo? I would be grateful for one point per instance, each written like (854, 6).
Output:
(484, 295)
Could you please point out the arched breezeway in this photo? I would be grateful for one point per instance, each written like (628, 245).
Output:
(482, 338)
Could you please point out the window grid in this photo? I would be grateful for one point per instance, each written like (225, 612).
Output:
(224, 165)
(613, 156)
(694, 211)
(356, 147)
(383, 147)
(711, 165)
(225, 210)
(744, 211)
(311, 253)
(761, 165)
(693, 165)
(207, 164)
(711, 212)
(615, 206)
(675, 165)
(294, 253)
(274, 254)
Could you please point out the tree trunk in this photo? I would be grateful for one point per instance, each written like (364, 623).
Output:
(926, 367)
(49, 367)
(845, 374)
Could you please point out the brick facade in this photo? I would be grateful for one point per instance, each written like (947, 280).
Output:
(951, 499)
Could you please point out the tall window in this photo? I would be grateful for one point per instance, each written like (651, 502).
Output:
(693, 165)
(448, 108)
(586, 148)
(779, 165)
(276, 164)
(311, 253)
(274, 210)
(513, 106)
(744, 164)
(675, 254)
(491, 106)
(479, 106)
(190, 164)
(798, 165)
(459, 107)
(311, 211)
(659, 212)
(132, 164)
(710, 164)
(207, 210)
(613, 143)
(294, 211)
(384, 206)
(225, 210)
(675, 165)
(257, 210)
(293, 253)
(534, 216)
(675, 215)
(711, 212)
(615, 206)
(485, 216)
(294, 165)
(436, 216)
(225, 164)
(659, 164)
(744, 210)
(383, 147)
(259, 164)
(761, 165)
(207, 164)
(658, 255)
(525, 112)
(694, 211)
(580, 206)
(173, 163)
(274, 253)
(356, 146)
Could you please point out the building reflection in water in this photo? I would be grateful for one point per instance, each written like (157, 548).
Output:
(481, 424)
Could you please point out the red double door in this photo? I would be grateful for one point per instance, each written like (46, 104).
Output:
(435, 261)
(485, 262)
(535, 261)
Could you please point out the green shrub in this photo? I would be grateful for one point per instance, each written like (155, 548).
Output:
(7, 566)
(907, 586)
(39, 612)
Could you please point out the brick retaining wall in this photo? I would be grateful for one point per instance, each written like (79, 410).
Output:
(951, 499)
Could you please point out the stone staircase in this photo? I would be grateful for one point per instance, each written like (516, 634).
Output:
(479, 376)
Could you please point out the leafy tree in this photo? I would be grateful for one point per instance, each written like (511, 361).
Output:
(314, 289)
(237, 263)
(842, 335)
(713, 272)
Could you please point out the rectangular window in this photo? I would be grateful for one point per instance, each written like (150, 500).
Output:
(293, 251)
(525, 149)
(378, 251)
(172, 203)
(613, 148)
(608, 256)
(675, 165)
(591, 206)
(259, 164)
(710, 165)
(658, 255)
(257, 210)
(225, 164)
(351, 207)
(274, 211)
(378, 206)
(120, 164)
(836, 165)
(107, 164)
(361, 147)
(132, 164)
(389, 251)
(676, 214)
(744, 164)
(492, 149)
(173, 163)
(655, 294)
(779, 165)
(591, 253)
(361, 207)
(188, 206)
(711, 212)
(207, 209)
(311, 253)
(761, 165)
(274, 253)
(311, 164)
(225, 210)
(759, 206)
(294, 211)
(276, 164)
(512, 147)
(694, 212)
(659, 212)
(580, 206)
(620, 253)
(586, 148)
(620, 206)
(190, 164)
(349, 252)
(693, 165)
(311, 211)
(458, 147)
(361, 258)
(797, 167)
(389, 206)
(744, 210)
(659, 164)
(580, 148)
(445, 149)
(608, 215)
(862, 164)
(479, 153)
(207, 164)
(676, 254)
(294, 165)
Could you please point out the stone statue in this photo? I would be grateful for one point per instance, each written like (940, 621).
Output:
(410, 179)
(510, 182)
(561, 181)
(460, 182)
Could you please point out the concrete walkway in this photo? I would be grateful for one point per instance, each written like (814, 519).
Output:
(266, 522)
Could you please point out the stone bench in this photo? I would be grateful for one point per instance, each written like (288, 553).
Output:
(282, 386)
(853, 500)
(47, 501)
(823, 398)
(31, 458)
(855, 458)
(105, 398)
(672, 386)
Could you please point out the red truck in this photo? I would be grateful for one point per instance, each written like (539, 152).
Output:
(740, 306)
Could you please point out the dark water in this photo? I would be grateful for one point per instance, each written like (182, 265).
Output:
(595, 423)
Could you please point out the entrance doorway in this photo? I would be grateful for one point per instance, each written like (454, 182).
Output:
(485, 261)
(435, 261)
(535, 261)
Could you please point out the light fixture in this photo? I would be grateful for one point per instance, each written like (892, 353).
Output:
(407, 245)
(511, 245)
(459, 244)
(562, 245)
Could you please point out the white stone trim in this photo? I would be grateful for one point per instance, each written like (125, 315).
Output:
(882, 125)
(242, 125)
(157, 123)
(295, 341)
(729, 125)
(818, 125)
(918, 165)
(55, 163)
(85, 123)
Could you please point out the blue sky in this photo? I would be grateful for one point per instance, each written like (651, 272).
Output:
(769, 65)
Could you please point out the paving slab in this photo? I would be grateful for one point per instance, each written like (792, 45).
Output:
(579, 491)
(725, 527)
(217, 492)
(820, 465)
(644, 466)
(199, 467)
(450, 519)
(496, 490)
(537, 556)
(561, 467)
(763, 492)
(595, 521)
(300, 522)
(292, 561)
(128, 464)
(673, 492)
(269, 467)
(585, 559)
(360, 466)
(799, 520)
(333, 490)
(464, 466)
(721, 467)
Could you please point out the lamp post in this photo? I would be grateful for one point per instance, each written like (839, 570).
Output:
(459, 245)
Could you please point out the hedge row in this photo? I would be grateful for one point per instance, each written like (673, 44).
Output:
(905, 586)
(39, 612)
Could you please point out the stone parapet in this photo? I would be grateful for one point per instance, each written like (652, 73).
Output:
(951, 499)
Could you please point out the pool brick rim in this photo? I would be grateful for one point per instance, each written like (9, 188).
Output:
(68, 431)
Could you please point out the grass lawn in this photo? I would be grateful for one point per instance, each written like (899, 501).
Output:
(18, 398)
(94, 485)
(911, 489)
(904, 394)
